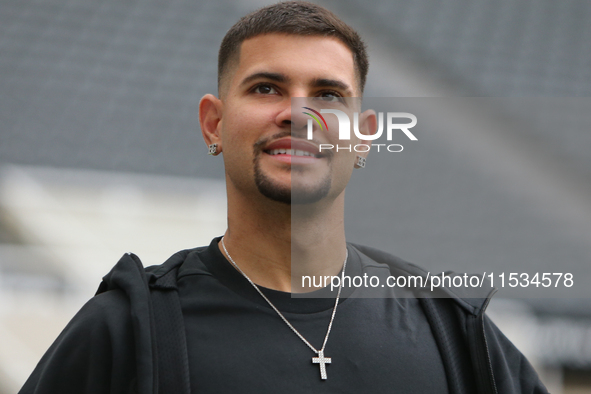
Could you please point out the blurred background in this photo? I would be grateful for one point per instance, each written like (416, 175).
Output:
(101, 154)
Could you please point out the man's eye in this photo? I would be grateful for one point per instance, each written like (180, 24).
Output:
(265, 89)
(330, 97)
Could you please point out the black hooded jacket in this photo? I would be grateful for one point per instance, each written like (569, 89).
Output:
(115, 344)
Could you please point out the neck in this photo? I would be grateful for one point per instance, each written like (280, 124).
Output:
(275, 244)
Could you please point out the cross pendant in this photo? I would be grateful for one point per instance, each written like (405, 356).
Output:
(322, 361)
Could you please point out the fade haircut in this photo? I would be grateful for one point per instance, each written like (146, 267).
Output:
(291, 17)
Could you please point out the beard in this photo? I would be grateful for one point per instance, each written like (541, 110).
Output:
(288, 195)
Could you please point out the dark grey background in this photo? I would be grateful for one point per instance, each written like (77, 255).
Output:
(114, 85)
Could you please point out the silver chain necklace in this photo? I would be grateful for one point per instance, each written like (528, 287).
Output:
(321, 360)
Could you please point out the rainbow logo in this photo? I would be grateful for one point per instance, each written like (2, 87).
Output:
(315, 118)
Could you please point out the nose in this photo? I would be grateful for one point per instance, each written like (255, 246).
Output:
(292, 115)
(283, 118)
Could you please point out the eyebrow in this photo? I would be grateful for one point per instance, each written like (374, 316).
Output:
(331, 83)
(277, 77)
(282, 78)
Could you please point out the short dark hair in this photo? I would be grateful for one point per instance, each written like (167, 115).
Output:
(297, 18)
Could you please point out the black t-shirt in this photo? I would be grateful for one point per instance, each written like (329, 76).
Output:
(237, 343)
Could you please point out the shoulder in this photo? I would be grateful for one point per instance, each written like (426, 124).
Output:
(468, 339)
(102, 329)
(106, 311)
(512, 371)
(95, 349)
(428, 285)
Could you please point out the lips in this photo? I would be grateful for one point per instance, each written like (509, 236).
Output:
(293, 147)
(291, 152)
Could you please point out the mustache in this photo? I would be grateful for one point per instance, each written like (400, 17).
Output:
(258, 146)
(262, 142)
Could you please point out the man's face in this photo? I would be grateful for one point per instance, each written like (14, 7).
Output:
(264, 144)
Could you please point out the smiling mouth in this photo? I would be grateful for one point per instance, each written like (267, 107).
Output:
(292, 152)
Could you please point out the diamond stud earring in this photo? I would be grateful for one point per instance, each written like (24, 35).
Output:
(360, 163)
(213, 149)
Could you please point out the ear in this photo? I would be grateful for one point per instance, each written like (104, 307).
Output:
(210, 120)
(368, 125)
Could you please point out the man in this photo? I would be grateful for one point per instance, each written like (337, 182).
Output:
(222, 318)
